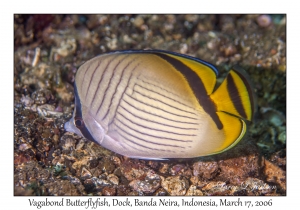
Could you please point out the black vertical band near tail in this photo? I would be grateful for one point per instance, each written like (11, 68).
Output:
(235, 97)
(247, 81)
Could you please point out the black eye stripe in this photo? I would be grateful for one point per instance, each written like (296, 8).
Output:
(78, 121)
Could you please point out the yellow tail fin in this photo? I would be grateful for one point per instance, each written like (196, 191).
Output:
(235, 95)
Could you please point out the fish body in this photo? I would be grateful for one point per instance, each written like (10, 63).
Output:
(153, 104)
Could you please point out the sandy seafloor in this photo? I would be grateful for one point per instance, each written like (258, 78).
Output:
(48, 50)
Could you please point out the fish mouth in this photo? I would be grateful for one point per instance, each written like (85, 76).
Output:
(70, 127)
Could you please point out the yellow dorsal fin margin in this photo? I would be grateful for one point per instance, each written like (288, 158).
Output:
(205, 73)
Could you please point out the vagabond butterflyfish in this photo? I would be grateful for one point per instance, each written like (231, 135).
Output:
(154, 104)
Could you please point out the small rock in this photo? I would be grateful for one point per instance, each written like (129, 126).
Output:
(175, 185)
(89, 185)
(138, 21)
(164, 168)
(127, 39)
(109, 191)
(93, 163)
(55, 139)
(42, 96)
(180, 169)
(112, 44)
(205, 169)
(191, 17)
(99, 184)
(67, 47)
(74, 180)
(106, 165)
(177, 169)
(264, 21)
(212, 45)
(113, 179)
(183, 48)
(85, 174)
(47, 111)
(215, 188)
(27, 101)
(133, 169)
(148, 185)
(69, 143)
(96, 172)
(80, 144)
(153, 164)
(122, 190)
(194, 180)
(24, 146)
(230, 50)
(160, 192)
(116, 160)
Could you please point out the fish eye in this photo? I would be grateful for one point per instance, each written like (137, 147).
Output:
(78, 122)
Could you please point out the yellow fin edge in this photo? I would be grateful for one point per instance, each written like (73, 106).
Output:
(234, 130)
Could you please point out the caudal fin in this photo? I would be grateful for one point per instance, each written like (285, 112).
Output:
(235, 95)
